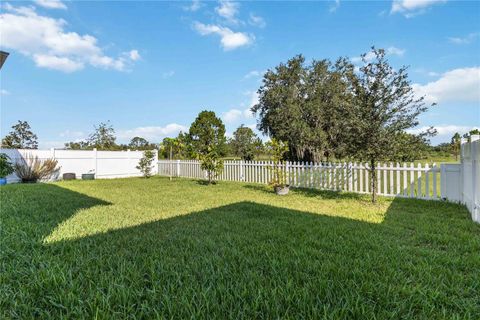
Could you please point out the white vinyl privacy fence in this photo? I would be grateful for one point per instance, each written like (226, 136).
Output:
(104, 164)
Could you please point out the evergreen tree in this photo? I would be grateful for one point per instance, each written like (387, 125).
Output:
(207, 137)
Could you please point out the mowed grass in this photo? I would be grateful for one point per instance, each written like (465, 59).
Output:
(147, 249)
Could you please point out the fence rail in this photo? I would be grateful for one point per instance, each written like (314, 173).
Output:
(393, 179)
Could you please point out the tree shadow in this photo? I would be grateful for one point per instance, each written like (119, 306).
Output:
(307, 192)
(250, 260)
(36, 209)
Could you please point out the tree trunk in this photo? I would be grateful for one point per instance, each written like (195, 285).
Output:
(373, 182)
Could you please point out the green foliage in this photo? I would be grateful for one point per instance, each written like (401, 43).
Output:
(103, 138)
(139, 143)
(245, 143)
(277, 150)
(305, 106)
(21, 137)
(6, 167)
(409, 147)
(78, 145)
(32, 169)
(212, 164)
(455, 145)
(176, 148)
(157, 249)
(207, 137)
(471, 132)
(207, 133)
(145, 163)
(385, 106)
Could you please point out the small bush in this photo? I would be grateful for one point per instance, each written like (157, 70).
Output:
(278, 149)
(6, 167)
(145, 163)
(32, 169)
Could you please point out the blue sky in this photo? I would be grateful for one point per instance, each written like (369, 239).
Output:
(150, 67)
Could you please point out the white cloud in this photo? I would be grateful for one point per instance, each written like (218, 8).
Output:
(153, 134)
(4, 92)
(232, 115)
(458, 85)
(57, 63)
(390, 51)
(194, 6)
(334, 6)
(49, 45)
(168, 74)
(134, 55)
(411, 8)
(229, 39)
(444, 130)
(253, 74)
(228, 10)
(256, 21)
(243, 112)
(51, 4)
(464, 40)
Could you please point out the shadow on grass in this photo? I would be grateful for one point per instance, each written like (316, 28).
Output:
(247, 260)
(40, 207)
(204, 182)
(314, 193)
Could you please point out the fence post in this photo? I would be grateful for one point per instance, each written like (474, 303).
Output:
(156, 161)
(443, 181)
(474, 152)
(178, 168)
(52, 150)
(95, 164)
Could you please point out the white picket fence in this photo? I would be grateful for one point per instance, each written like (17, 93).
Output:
(393, 179)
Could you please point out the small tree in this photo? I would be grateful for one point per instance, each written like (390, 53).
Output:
(455, 145)
(212, 164)
(244, 143)
(21, 137)
(6, 166)
(207, 137)
(385, 105)
(145, 163)
(277, 149)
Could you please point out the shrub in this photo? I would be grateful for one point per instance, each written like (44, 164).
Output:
(32, 169)
(145, 163)
(212, 164)
(6, 167)
(277, 149)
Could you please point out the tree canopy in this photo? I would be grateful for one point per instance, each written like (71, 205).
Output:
(384, 107)
(245, 143)
(305, 106)
(21, 137)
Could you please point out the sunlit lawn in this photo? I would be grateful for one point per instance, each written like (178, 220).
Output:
(145, 249)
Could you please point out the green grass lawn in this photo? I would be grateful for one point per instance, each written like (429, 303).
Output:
(146, 249)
